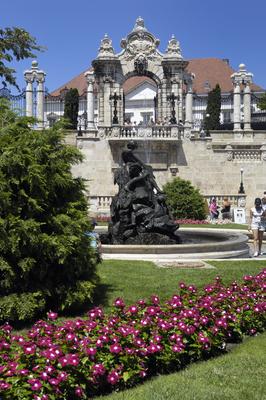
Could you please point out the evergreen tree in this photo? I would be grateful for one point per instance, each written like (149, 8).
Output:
(184, 200)
(15, 43)
(46, 261)
(212, 122)
(72, 107)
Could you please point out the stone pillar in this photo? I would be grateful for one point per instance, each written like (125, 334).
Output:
(242, 77)
(100, 103)
(164, 108)
(40, 78)
(107, 103)
(30, 76)
(247, 107)
(180, 102)
(29, 98)
(189, 104)
(237, 104)
(175, 91)
(90, 100)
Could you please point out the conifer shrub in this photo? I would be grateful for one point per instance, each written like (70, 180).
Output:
(184, 200)
(71, 108)
(46, 260)
(213, 109)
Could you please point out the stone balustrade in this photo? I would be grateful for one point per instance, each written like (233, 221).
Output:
(154, 132)
(101, 204)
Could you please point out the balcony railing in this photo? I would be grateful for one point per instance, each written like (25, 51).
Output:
(159, 132)
(101, 204)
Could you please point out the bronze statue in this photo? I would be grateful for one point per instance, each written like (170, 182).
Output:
(139, 213)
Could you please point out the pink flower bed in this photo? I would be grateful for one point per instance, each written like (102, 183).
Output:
(81, 358)
(191, 221)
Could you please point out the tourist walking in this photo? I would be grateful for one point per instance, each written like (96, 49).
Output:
(256, 225)
(213, 209)
(226, 207)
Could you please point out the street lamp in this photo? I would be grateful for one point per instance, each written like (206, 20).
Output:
(241, 187)
(207, 124)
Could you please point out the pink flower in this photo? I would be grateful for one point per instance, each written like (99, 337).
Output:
(119, 303)
(133, 309)
(52, 316)
(113, 377)
(155, 299)
(79, 392)
(115, 348)
(4, 385)
(29, 349)
(35, 384)
(54, 381)
(98, 369)
(91, 351)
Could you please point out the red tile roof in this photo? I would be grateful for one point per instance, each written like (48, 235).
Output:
(212, 71)
(208, 72)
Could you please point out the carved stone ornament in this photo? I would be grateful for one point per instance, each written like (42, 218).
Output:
(230, 155)
(242, 76)
(141, 64)
(34, 73)
(140, 41)
(173, 49)
(106, 49)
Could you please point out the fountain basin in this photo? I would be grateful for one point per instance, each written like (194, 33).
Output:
(197, 244)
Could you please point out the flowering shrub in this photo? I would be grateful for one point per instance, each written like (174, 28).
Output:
(86, 357)
(192, 221)
(103, 218)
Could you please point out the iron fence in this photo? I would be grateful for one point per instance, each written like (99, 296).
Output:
(17, 102)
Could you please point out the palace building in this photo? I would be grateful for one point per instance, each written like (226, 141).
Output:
(159, 99)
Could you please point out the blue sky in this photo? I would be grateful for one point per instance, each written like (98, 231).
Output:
(72, 30)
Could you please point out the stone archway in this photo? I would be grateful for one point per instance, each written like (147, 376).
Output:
(139, 56)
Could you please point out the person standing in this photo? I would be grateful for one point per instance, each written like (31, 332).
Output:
(256, 225)
(213, 209)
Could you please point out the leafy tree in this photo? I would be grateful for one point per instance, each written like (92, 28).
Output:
(184, 200)
(18, 44)
(72, 107)
(213, 109)
(262, 102)
(46, 261)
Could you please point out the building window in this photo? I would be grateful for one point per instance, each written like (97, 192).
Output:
(226, 116)
(128, 117)
(146, 116)
(207, 86)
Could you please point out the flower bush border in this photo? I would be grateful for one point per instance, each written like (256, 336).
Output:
(82, 358)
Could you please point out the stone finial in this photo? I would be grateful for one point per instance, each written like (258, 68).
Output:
(139, 25)
(89, 75)
(173, 48)
(34, 73)
(34, 64)
(242, 76)
(106, 49)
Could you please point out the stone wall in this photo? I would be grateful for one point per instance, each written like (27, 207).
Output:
(211, 164)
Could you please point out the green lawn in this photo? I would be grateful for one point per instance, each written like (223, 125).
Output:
(133, 280)
(216, 226)
(238, 375)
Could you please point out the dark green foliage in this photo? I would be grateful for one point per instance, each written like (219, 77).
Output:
(213, 109)
(184, 200)
(46, 261)
(262, 102)
(15, 43)
(72, 108)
